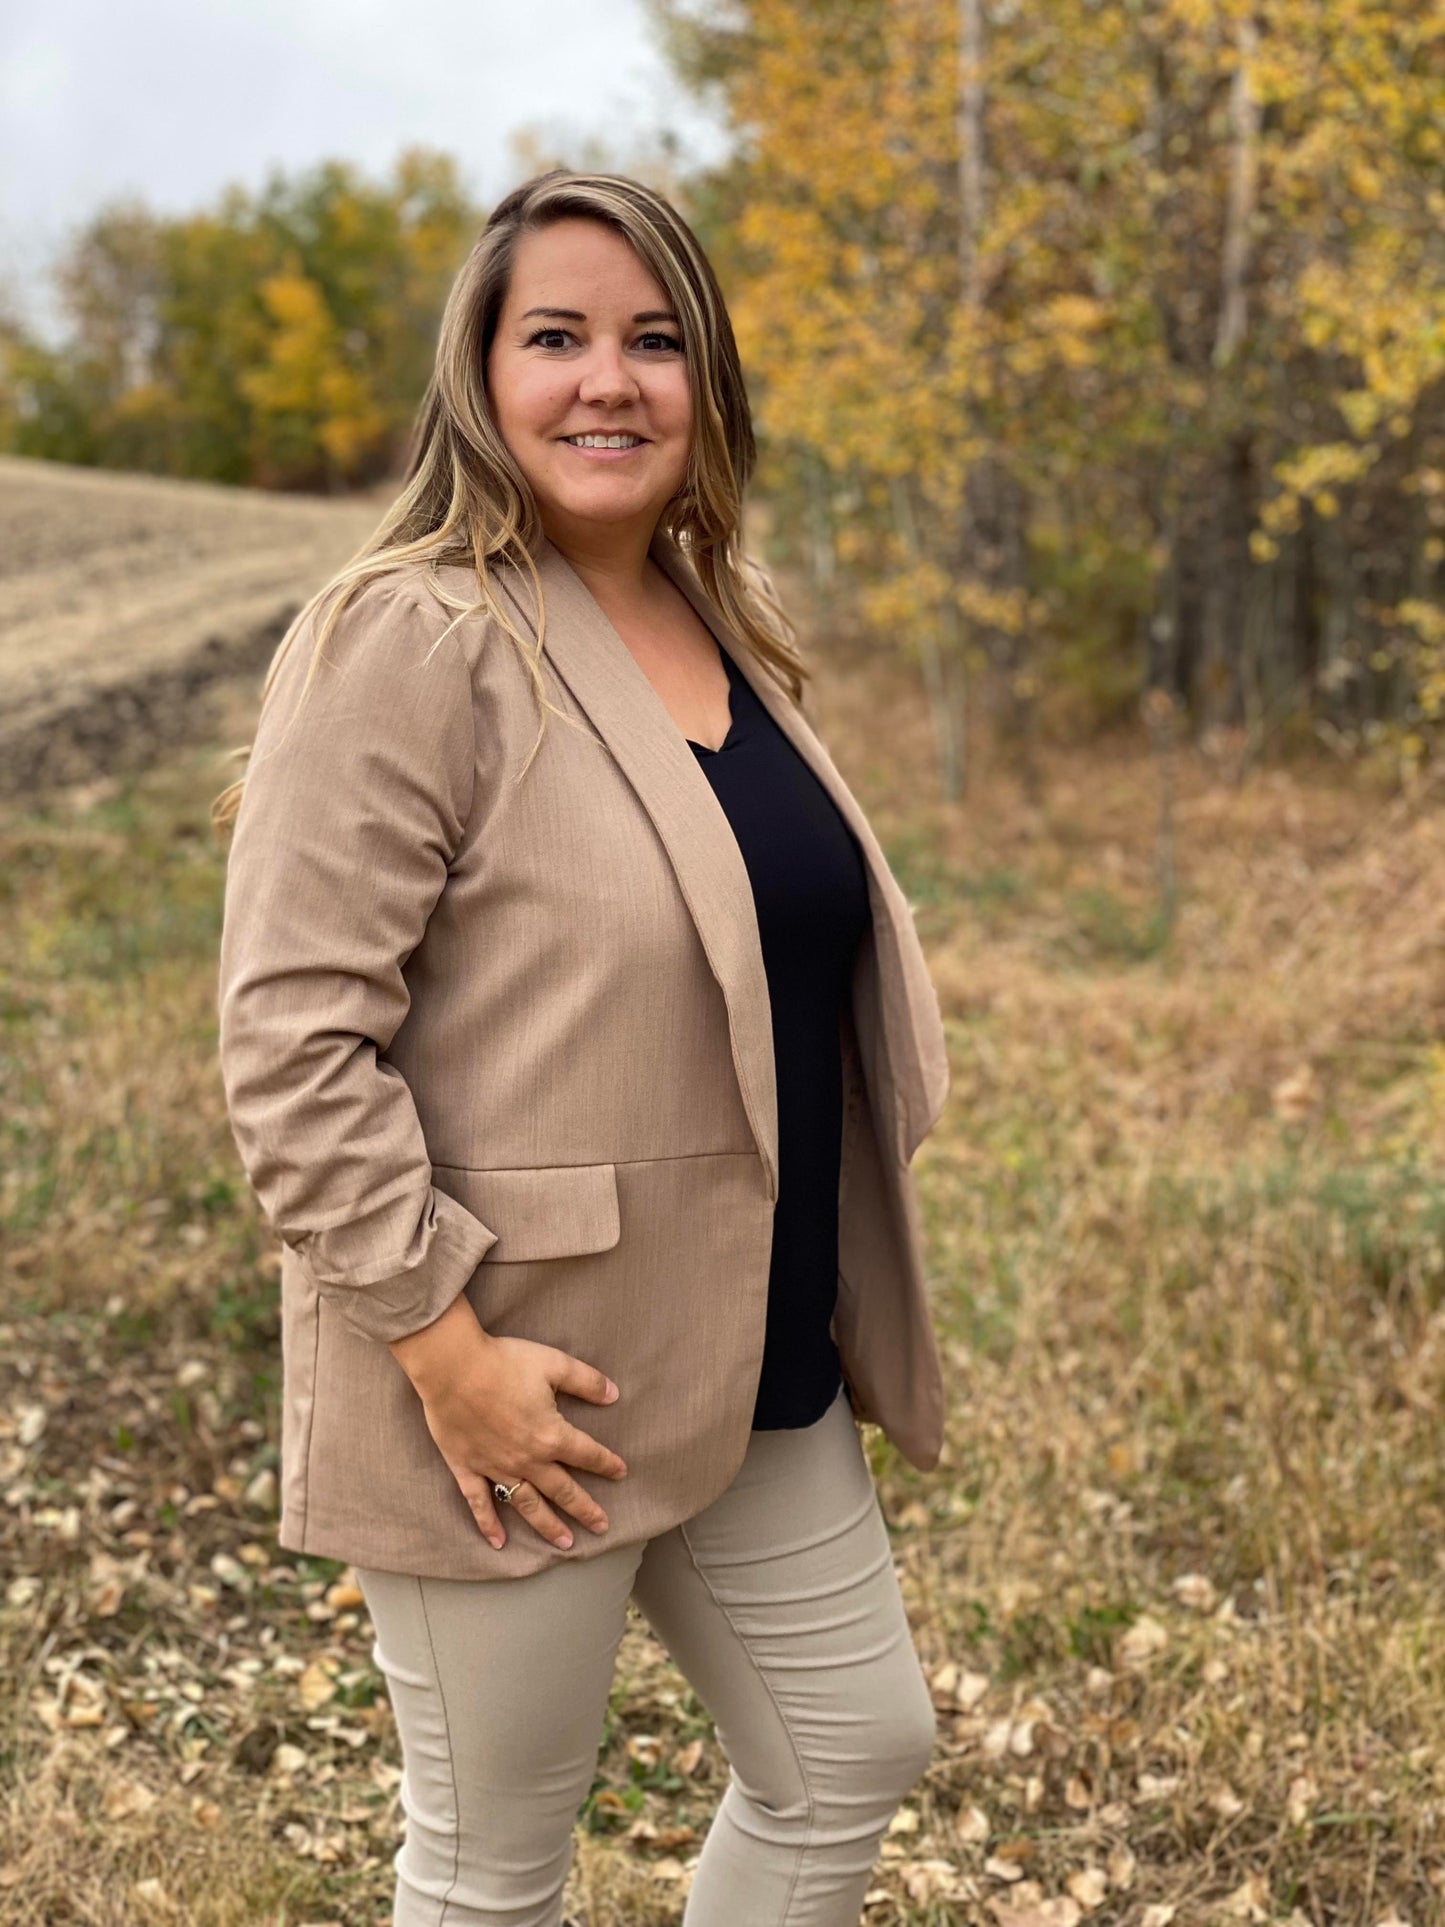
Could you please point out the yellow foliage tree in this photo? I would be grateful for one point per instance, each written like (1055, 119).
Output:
(1078, 338)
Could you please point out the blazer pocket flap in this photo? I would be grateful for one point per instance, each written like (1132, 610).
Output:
(538, 1210)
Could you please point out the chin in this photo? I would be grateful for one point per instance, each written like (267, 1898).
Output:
(592, 509)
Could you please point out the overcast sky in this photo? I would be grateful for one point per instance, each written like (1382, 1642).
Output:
(171, 100)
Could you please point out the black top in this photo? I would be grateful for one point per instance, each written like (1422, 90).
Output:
(810, 889)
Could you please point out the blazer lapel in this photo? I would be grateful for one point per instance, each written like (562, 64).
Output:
(902, 1043)
(601, 672)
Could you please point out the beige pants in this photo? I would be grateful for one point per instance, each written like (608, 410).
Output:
(780, 1605)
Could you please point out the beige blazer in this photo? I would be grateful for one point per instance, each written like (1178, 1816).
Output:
(514, 1039)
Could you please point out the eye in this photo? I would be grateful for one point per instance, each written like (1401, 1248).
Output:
(671, 342)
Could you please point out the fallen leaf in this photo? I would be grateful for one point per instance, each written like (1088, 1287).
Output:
(1063, 1911)
(81, 1702)
(1196, 1591)
(1158, 1786)
(1003, 1869)
(926, 1880)
(970, 1690)
(671, 1838)
(1302, 1795)
(943, 1684)
(1122, 1868)
(1294, 1097)
(1089, 1886)
(1144, 1639)
(105, 1601)
(1249, 1901)
(317, 1684)
(973, 1826)
(123, 1799)
(260, 1494)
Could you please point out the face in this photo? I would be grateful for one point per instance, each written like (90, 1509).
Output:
(587, 344)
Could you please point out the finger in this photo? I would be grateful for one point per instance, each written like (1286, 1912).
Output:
(564, 1491)
(584, 1380)
(579, 1448)
(479, 1496)
(539, 1515)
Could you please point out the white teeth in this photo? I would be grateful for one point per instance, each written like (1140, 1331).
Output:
(603, 441)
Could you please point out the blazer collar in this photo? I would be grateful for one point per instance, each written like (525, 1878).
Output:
(903, 1044)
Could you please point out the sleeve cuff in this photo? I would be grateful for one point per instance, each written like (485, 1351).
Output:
(392, 1300)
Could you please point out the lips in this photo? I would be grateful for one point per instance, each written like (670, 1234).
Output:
(606, 454)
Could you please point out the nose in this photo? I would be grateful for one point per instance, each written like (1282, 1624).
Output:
(606, 377)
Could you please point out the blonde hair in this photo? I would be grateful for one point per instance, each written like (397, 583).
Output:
(465, 500)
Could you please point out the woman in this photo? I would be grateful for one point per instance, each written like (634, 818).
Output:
(576, 1039)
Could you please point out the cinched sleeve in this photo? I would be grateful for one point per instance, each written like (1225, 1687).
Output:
(355, 801)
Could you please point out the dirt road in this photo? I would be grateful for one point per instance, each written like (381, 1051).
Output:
(127, 600)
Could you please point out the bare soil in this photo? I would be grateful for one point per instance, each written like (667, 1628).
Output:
(125, 600)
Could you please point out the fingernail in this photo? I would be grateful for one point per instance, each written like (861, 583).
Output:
(565, 1540)
(611, 1389)
(498, 1544)
(601, 1527)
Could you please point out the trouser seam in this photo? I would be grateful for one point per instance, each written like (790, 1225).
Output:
(451, 1759)
(777, 1707)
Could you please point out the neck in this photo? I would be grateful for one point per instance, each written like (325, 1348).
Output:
(613, 562)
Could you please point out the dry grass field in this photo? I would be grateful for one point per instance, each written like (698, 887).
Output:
(1178, 1582)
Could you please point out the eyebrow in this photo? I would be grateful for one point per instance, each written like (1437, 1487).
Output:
(576, 314)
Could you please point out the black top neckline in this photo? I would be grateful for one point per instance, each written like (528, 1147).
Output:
(733, 717)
